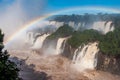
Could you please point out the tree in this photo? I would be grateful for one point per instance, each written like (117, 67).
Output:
(83, 37)
(8, 69)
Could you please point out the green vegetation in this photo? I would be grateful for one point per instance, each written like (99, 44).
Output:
(110, 43)
(8, 69)
(85, 36)
(62, 31)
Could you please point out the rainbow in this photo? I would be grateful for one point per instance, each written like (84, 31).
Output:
(25, 27)
(65, 11)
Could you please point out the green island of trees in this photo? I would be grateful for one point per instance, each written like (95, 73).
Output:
(108, 43)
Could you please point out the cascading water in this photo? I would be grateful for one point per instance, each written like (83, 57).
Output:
(29, 37)
(85, 57)
(58, 49)
(39, 42)
(108, 27)
(58, 24)
(71, 23)
(103, 26)
(99, 25)
(60, 45)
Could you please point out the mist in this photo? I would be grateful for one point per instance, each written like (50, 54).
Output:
(18, 13)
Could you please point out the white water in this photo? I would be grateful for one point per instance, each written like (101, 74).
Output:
(56, 24)
(59, 48)
(72, 24)
(52, 22)
(29, 38)
(108, 27)
(100, 26)
(39, 42)
(79, 24)
(85, 57)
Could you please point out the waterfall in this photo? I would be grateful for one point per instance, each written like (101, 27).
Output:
(30, 38)
(60, 45)
(108, 27)
(58, 24)
(103, 26)
(56, 50)
(52, 22)
(99, 25)
(39, 42)
(71, 23)
(85, 57)
(79, 24)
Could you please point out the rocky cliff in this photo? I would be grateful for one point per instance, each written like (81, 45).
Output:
(109, 63)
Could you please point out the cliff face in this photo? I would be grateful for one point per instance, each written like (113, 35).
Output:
(68, 51)
(49, 43)
(108, 63)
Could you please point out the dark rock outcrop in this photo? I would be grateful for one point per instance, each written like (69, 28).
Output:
(49, 43)
(109, 63)
(68, 51)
